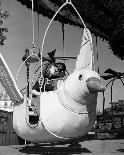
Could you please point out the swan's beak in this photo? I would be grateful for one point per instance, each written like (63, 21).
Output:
(94, 85)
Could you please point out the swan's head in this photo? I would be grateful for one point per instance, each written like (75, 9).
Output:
(83, 84)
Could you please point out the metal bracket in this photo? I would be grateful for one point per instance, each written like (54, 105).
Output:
(68, 2)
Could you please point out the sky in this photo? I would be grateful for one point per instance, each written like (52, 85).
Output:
(20, 37)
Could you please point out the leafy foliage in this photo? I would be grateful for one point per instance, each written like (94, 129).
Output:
(3, 15)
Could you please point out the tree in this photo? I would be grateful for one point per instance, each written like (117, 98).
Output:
(3, 15)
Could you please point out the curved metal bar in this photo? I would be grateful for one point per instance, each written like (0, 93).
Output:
(24, 63)
(42, 47)
(67, 2)
(113, 80)
(122, 81)
(23, 88)
(109, 82)
(104, 93)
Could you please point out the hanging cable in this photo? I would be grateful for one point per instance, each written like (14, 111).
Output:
(38, 25)
(33, 44)
(38, 34)
(32, 10)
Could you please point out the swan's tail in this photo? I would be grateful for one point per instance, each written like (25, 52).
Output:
(8, 82)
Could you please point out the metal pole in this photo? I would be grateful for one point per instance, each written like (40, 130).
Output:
(63, 32)
(103, 103)
(27, 78)
(27, 63)
(111, 102)
(112, 105)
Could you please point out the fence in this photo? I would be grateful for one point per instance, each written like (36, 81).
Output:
(7, 133)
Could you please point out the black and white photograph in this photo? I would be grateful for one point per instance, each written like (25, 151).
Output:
(61, 77)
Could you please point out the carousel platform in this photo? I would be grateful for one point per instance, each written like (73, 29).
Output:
(92, 147)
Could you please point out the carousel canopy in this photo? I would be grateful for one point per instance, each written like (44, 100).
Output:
(104, 18)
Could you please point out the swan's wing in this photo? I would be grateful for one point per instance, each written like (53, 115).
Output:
(8, 82)
(85, 58)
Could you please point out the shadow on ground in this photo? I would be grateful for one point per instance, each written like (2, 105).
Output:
(120, 150)
(53, 150)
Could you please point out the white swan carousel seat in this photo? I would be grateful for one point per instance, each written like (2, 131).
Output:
(66, 113)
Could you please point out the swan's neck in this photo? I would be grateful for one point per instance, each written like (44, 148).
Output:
(69, 102)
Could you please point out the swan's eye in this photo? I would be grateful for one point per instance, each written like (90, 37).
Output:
(80, 77)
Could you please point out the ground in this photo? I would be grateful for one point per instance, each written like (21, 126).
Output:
(91, 147)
